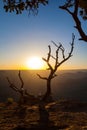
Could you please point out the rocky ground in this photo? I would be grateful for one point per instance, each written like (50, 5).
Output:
(58, 115)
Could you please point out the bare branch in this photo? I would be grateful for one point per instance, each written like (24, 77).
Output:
(75, 17)
(53, 57)
(44, 59)
(55, 44)
(49, 53)
(72, 44)
(57, 52)
(53, 69)
(79, 27)
(16, 88)
(22, 83)
(48, 58)
(24, 95)
(12, 85)
(70, 53)
(41, 77)
(63, 50)
(76, 7)
(48, 63)
(65, 8)
(56, 60)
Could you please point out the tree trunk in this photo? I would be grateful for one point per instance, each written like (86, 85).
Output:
(47, 95)
(48, 87)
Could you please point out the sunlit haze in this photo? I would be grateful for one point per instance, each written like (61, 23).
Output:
(35, 63)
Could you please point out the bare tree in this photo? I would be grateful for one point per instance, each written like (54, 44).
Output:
(76, 4)
(57, 64)
(25, 97)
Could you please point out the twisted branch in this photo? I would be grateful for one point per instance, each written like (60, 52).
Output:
(20, 90)
(22, 83)
(74, 15)
(56, 58)
(70, 53)
(41, 77)
(12, 85)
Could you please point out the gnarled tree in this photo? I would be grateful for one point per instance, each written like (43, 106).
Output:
(79, 7)
(57, 63)
(25, 97)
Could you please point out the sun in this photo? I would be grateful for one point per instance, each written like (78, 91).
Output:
(35, 63)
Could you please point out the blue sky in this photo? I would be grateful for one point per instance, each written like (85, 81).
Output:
(23, 36)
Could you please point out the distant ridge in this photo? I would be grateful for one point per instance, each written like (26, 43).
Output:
(68, 83)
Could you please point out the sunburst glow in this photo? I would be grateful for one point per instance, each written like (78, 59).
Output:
(35, 63)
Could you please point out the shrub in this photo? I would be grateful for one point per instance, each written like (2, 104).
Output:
(10, 100)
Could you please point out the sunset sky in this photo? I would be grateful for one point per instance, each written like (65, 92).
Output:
(24, 36)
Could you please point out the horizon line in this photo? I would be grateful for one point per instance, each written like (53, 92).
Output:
(38, 69)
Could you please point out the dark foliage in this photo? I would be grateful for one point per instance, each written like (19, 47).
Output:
(19, 6)
(79, 7)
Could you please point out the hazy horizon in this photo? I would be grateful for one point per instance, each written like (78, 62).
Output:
(41, 69)
(68, 84)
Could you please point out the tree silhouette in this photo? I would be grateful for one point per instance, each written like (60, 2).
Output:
(25, 97)
(19, 6)
(57, 64)
(32, 5)
(76, 4)
(79, 8)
